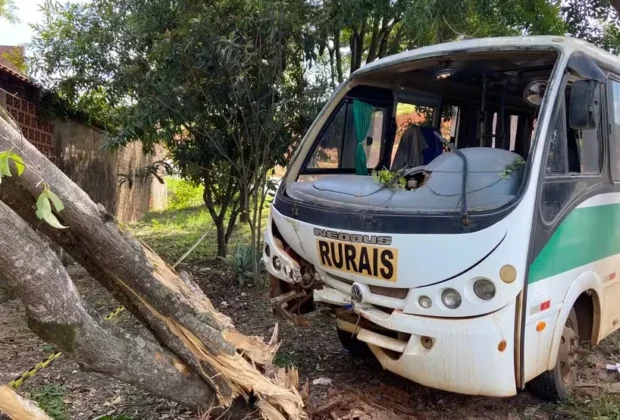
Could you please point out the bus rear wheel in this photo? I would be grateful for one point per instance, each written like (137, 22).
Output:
(557, 383)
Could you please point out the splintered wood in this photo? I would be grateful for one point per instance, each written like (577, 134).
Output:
(277, 398)
(19, 408)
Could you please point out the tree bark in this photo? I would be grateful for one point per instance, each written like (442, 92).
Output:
(218, 220)
(355, 49)
(374, 40)
(332, 68)
(174, 308)
(18, 199)
(56, 312)
(6, 293)
(338, 55)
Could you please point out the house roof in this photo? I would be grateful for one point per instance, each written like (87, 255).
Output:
(7, 67)
(22, 77)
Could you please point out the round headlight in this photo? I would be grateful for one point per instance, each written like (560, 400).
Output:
(451, 298)
(276, 263)
(425, 302)
(267, 250)
(484, 289)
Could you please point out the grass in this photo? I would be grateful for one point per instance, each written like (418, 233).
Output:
(601, 407)
(51, 399)
(183, 194)
(284, 360)
(173, 231)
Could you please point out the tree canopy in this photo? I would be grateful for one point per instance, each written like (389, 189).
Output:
(215, 82)
(229, 86)
(7, 11)
(374, 29)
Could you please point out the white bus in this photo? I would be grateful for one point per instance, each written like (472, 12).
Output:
(459, 207)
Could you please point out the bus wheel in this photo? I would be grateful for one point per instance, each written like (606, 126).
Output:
(557, 383)
(352, 344)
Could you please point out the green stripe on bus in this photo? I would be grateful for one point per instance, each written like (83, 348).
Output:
(588, 234)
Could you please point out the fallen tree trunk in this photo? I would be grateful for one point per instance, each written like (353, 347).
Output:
(19, 408)
(177, 312)
(56, 312)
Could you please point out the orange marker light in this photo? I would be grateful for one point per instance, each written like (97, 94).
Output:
(508, 273)
(502, 345)
(540, 326)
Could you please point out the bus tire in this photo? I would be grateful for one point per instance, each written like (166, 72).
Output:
(354, 346)
(557, 384)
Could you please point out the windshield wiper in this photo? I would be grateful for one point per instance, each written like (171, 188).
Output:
(464, 216)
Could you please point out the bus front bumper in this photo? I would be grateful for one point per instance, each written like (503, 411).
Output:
(472, 356)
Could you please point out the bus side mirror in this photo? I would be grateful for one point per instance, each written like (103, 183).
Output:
(585, 105)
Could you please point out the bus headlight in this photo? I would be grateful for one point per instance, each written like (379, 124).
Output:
(451, 298)
(484, 289)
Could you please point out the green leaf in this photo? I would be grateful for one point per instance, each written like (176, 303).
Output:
(4, 166)
(55, 201)
(44, 208)
(53, 222)
(19, 163)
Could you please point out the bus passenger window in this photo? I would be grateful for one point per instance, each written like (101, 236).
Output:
(615, 139)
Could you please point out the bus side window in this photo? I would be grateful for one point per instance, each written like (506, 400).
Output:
(585, 154)
(573, 151)
(615, 137)
(570, 153)
(338, 143)
(328, 152)
(556, 156)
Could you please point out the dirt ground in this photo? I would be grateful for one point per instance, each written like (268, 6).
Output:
(359, 389)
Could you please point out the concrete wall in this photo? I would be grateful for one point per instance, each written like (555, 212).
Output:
(79, 154)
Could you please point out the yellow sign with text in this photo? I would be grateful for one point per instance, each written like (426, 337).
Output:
(371, 261)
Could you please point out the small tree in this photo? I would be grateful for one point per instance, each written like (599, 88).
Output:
(206, 79)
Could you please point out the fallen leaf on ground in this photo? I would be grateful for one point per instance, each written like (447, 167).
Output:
(322, 381)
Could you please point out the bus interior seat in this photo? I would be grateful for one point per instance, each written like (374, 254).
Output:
(410, 149)
(435, 147)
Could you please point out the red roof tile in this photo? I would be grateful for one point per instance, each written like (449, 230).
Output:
(20, 76)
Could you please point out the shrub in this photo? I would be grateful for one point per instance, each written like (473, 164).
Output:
(241, 261)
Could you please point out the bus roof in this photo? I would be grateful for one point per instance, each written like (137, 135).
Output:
(566, 44)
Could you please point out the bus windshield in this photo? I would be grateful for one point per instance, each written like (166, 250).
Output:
(398, 138)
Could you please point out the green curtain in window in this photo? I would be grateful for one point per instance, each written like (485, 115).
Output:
(362, 115)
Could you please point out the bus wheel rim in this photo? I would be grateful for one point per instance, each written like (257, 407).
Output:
(567, 354)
